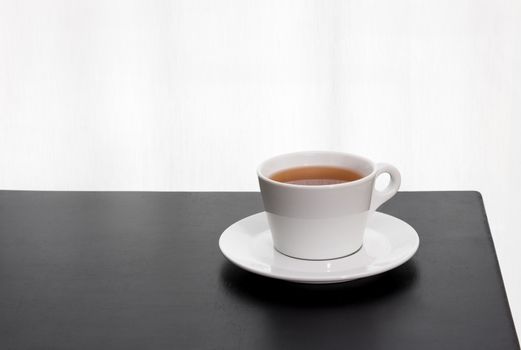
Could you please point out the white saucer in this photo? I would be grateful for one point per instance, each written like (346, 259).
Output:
(388, 243)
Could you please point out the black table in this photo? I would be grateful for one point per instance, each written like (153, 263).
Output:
(84, 270)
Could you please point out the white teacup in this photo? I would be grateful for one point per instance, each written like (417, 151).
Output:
(325, 221)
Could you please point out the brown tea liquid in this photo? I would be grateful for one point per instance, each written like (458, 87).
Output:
(316, 175)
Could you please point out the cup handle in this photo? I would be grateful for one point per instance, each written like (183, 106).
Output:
(380, 197)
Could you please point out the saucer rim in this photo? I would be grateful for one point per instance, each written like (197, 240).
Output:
(323, 279)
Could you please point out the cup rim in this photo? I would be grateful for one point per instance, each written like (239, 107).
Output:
(321, 187)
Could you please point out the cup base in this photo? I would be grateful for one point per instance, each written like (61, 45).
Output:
(324, 259)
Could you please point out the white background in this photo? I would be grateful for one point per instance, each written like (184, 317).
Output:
(192, 95)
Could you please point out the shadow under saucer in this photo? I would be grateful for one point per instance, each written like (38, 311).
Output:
(251, 287)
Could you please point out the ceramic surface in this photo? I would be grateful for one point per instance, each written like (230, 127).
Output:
(388, 243)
